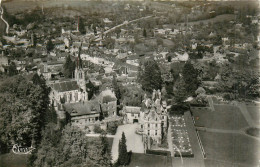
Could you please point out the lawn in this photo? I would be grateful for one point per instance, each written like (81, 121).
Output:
(224, 149)
(13, 160)
(254, 112)
(148, 160)
(224, 117)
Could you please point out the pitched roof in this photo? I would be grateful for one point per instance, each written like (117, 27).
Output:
(132, 109)
(65, 86)
(152, 115)
(80, 108)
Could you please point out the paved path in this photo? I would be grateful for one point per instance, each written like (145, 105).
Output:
(194, 141)
(169, 139)
(120, 25)
(133, 141)
(217, 130)
(2, 13)
(246, 115)
(98, 135)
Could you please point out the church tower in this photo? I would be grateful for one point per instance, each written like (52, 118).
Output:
(80, 73)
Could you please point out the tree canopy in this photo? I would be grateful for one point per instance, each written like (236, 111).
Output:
(150, 76)
(23, 104)
(190, 77)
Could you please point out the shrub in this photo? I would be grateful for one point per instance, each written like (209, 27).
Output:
(97, 129)
(112, 127)
(158, 152)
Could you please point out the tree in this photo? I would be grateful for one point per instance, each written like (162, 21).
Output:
(144, 33)
(49, 46)
(190, 77)
(81, 25)
(151, 76)
(12, 69)
(180, 93)
(91, 89)
(169, 58)
(123, 157)
(116, 89)
(69, 67)
(23, 105)
(98, 153)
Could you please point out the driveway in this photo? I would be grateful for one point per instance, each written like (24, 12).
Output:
(133, 141)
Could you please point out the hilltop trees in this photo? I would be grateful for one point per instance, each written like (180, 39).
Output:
(150, 77)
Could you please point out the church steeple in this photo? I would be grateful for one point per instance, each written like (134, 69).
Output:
(80, 73)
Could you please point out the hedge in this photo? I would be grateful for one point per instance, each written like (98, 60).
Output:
(158, 152)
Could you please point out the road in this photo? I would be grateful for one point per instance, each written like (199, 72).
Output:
(98, 38)
(2, 13)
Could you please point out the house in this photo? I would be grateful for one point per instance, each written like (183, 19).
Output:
(108, 102)
(83, 114)
(181, 57)
(133, 114)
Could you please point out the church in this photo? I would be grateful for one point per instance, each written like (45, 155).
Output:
(69, 91)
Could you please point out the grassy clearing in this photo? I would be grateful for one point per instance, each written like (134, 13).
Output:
(224, 117)
(254, 112)
(145, 160)
(229, 149)
(13, 160)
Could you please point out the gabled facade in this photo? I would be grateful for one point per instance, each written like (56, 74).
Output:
(152, 117)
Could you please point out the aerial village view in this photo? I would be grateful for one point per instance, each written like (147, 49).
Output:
(129, 83)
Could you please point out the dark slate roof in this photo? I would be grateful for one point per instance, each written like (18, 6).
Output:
(65, 86)
(83, 108)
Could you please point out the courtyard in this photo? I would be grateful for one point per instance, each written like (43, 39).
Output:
(133, 141)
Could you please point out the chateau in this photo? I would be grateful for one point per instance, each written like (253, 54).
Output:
(152, 117)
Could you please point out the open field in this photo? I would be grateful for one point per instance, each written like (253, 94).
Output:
(227, 150)
(147, 160)
(224, 117)
(254, 112)
(13, 160)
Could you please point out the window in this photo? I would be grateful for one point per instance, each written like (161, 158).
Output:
(148, 133)
(70, 97)
(156, 125)
(156, 133)
(148, 125)
(76, 96)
